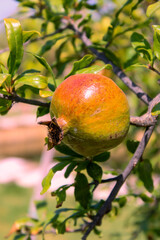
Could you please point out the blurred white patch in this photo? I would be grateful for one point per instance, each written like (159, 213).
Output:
(89, 92)
(28, 174)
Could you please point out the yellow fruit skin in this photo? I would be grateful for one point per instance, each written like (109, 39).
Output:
(92, 111)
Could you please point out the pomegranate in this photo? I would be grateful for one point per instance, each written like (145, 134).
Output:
(90, 113)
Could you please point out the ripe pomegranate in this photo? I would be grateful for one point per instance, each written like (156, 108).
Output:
(90, 113)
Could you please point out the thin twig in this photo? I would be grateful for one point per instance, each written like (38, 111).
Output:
(153, 69)
(16, 98)
(106, 207)
(128, 82)
(106, 180)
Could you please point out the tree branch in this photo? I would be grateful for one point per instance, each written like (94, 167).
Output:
(106, 207)
(153, 69)
(100, 55)
(16, 98)
(145, 120)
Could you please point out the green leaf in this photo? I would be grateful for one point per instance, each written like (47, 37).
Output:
(140, 25)
(5, 105)
(85, 20)
(3, 69)
(46, 183)
(51, 87)
(46, 65)
(47, 46)
(123, 6)
(76, 16)
(91, 6)
(102, 157)
(97, 232)
(41, 111)
(70, 169)
(136, 5)
(94, 69)
(134, 66)
(82, 194)
(61, 228)
(4, 91)
(28, 3)
(156, 41)
(122, 201)
(153, 8)
(27, 35)
(62, 148)
(132, 145)
(50, 43)
(34, 80)
(60, 196)
(115, 22)
(20, 237)
(82, 63)
(68, 4)
(156, 110)
(28, 71)
(45, 93)
(113, 172)
(5, 78)
(15, 42)
(145, 174)
(157, 30)
(142, 46)
(82, 166)
(95, 171)
(145, 198)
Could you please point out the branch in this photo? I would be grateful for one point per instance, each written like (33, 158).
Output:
(106, 207)
(16, 98)
(154, 102)
(147, 119)
(153, 69)
(100, 55)
(106, 180)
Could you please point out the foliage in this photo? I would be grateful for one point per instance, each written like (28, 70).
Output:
(71, 37)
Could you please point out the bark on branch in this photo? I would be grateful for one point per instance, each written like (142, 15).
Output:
(147, 119)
